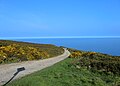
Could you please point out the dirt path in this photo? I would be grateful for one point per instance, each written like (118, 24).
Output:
(8, 70)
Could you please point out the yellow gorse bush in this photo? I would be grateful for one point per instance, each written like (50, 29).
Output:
(75, 54)
(91, 53)
(15, 51)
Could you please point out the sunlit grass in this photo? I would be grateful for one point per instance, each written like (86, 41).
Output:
(65, 74)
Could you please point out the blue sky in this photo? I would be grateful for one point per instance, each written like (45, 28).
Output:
(51, 18)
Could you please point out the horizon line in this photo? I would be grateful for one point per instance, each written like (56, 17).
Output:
(60, 37)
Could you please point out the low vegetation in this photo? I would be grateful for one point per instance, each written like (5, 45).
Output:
(66, 73)
(80, 69)
(97, 61)
(11, 51)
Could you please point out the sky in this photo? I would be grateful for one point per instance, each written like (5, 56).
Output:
(63, 18)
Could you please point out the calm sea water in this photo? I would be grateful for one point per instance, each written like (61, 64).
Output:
(103, 45)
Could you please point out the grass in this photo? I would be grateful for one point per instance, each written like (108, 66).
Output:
(66, 74)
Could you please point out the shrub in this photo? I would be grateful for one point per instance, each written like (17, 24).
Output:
(19, 51)
(75, 54)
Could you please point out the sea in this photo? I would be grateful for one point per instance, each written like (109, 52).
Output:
(103, 45)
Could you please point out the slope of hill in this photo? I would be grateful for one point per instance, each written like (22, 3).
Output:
(80, 69)
(13, 51)
(97, 61)
(66, 74)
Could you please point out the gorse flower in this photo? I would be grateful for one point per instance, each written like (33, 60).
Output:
(21, 52)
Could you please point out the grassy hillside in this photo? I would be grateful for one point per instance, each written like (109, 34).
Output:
(66, 74)
(81, 69)
(12, 51)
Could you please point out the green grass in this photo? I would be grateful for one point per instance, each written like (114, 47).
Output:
(66, 74)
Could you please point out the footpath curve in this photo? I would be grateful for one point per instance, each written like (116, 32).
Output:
(7, 70)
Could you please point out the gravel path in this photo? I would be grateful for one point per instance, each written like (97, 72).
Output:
(8, 70)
